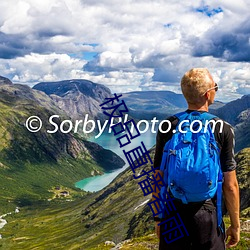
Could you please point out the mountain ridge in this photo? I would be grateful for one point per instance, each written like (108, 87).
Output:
(237, 113)
(76, 97)
(4, 80)
(230, 111)
(58, 159)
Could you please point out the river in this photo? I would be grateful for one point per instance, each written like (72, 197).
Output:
(108, 141)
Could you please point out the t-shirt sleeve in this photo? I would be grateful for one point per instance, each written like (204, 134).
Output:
(158, 150)
(162, 138)
(227, 159)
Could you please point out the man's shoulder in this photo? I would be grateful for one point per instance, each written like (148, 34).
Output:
(174, 119)
(227, 127)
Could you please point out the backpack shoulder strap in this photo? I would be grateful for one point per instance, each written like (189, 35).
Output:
(208, 116)
(182, 115)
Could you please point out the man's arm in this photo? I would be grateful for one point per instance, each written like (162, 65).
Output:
(161, 139)
(157, 162)
(231, 195)
(156, 193)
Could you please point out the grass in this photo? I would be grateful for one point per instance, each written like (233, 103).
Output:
(28, 177)
(66, 225)
(31, 164)
(244, 243)
(54, 225)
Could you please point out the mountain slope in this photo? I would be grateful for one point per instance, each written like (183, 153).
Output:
(237, 114)
(115, 213)
(4, 80)
(32, 163)
(242, 130)
(243, 175)
(149, 104)
(232, 110)
(80, 97)
(105, 216)
(76, 97)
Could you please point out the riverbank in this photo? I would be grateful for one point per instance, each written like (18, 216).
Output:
(3, 222)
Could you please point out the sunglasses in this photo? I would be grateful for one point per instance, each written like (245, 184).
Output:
(216, 87)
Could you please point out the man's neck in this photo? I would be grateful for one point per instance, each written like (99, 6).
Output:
(198, 107)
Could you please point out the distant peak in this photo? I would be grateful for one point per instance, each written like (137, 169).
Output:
(4, 80)
(72, 86)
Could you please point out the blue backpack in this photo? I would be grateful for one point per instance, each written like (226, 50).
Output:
(191, 161)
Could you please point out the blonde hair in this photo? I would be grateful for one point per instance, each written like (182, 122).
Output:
(195, 83)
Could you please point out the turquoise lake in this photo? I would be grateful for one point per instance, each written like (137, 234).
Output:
(108, 141)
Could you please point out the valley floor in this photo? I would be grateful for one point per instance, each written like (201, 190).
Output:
(57, 225)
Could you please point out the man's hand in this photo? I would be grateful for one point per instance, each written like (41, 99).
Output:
(232, 200)
(233, 234)
(157, 229)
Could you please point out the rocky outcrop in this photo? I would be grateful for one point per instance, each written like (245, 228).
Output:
(76, 97)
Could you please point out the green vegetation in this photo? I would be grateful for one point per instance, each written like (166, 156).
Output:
(32, 184)
(150, 242)
(244, 243)
(32, 163)
(38, 172)
(112, 214)
(57, 225)
(50, 225)
(243, 175)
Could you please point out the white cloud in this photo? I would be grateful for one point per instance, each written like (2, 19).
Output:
(140, 44)
(35, 68)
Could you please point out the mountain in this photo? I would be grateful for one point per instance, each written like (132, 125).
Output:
(76, 97)
(4, 80)
(149, 104)
(80, 97)
(31, 164)
(118, 212)
(159, 104)
(232, 110)
(237, 114)
(216, 105)
(242, 130)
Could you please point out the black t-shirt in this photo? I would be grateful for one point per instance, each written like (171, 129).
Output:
(225, 141)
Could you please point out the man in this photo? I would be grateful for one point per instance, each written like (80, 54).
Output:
(200, 218)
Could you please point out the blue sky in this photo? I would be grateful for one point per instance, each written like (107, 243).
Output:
(126, 45)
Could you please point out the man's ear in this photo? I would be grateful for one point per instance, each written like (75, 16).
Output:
(207, 95)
